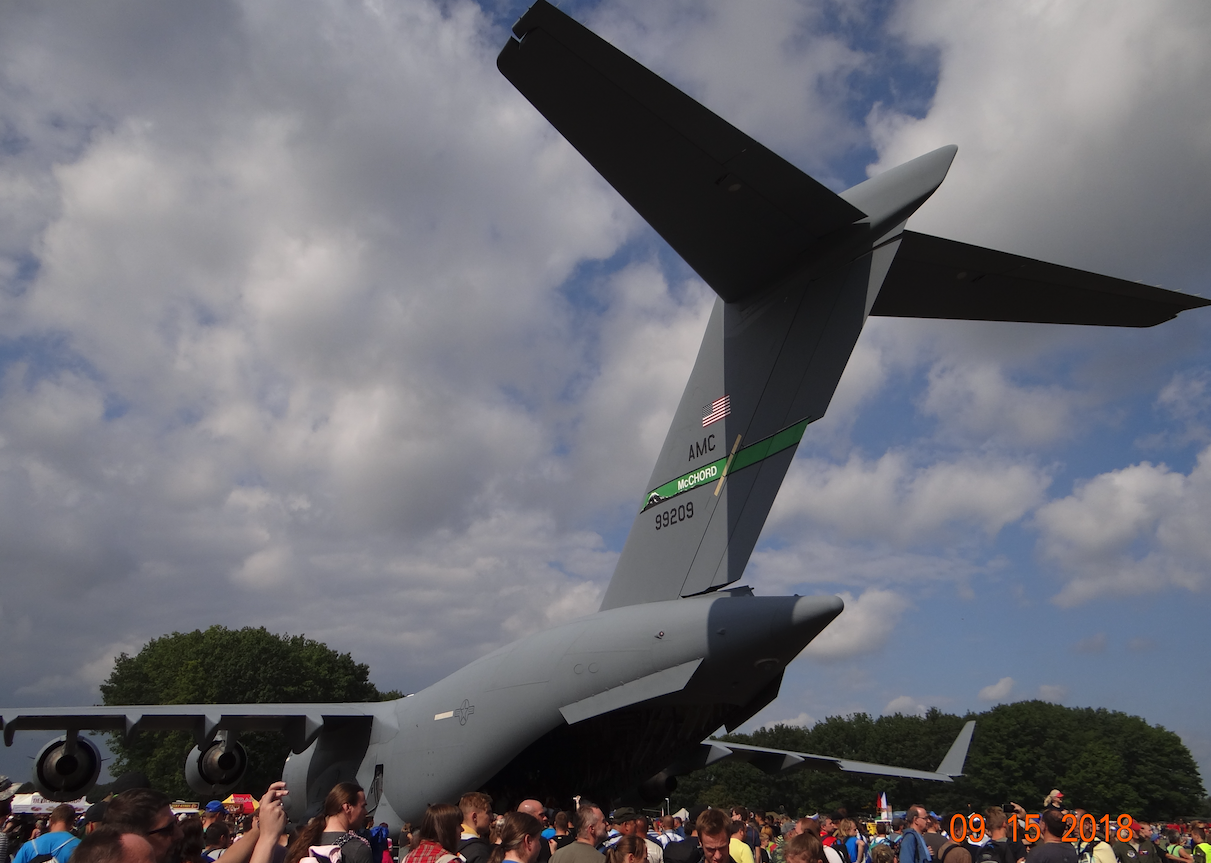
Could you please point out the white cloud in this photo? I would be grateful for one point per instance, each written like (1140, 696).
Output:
(979, 403)
(893, 500)
(999, 691)
(1130, 531)
(863, 627)
(906, 705)
(804, 720)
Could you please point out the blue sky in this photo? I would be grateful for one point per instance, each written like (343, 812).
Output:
(308, 320)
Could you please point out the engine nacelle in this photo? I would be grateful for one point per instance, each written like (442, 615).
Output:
(217, 769)
(658, 787)
(65, 769)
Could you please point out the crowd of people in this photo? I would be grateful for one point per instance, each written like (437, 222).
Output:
(137, 823)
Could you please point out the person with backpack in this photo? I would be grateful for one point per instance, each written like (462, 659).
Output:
(57, 844)
(477, 818)
(330, 835)
(438, 836)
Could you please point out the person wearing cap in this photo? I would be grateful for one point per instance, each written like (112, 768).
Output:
(1054, 800)
(58, 841)
(212, 812)
(627, 823)
(1139, 849)
(94, 815)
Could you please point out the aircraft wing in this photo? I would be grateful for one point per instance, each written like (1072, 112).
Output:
(932, 277)
(299, 722)
(735, 211)
(780, 760)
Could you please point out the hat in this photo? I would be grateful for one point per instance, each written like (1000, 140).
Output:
(7, 789)
(1136, 826)
(215, 806)
(95, 814)
(623, 814)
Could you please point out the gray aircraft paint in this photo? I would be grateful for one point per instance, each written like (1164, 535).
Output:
(631, 693)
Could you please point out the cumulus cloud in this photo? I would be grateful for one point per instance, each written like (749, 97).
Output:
(999, 691)
(893, 500)
(864, 627)
(906, 705)
(1129, 531)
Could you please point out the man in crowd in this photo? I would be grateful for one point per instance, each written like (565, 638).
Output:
(934, 840)
(591, 831)
(476, 808)
(1139, 848)
(58, 841)
(108, 844)
(737, 847)
(148, 814)
(1201, 851)
(993, 846)
(912, 846)
(217, 838)
(628, 822)
(533, 807)
(1053, 848)
(714, 829)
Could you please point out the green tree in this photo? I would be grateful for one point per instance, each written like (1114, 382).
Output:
(1105, 761)
(225, 666)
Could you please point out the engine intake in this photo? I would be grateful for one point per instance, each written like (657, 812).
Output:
(65, 769)
(217, 769)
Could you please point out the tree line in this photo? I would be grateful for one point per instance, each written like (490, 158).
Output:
(1103, 760)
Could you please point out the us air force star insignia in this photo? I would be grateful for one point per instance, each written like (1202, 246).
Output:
(464, 711)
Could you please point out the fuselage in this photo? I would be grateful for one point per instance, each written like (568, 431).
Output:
(534, 718)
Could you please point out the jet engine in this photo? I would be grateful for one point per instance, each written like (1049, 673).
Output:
(217, 769)
(66, 768)
(658, 787)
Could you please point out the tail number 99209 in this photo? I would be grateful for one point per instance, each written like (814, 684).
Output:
(674, 514)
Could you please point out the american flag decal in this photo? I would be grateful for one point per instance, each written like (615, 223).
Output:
(716, 410)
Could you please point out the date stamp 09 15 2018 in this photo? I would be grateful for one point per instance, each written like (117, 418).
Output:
(1083, 829)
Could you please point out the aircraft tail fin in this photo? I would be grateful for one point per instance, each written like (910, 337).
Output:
(952, 762)
(738, 213)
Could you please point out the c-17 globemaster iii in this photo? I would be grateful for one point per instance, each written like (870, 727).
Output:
(621, 701)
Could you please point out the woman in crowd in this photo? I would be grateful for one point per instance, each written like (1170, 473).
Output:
(628, 849)
(520, 838)
(437, 839)
(344, 811)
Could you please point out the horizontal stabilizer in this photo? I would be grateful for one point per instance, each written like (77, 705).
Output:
(738, 213)
(932, 277)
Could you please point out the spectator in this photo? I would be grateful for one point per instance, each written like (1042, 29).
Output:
(212, 812)
(1054, 800)
(1139, 848)
(1202, 851)
(520, 839)
(628, 849)
(344, 811)
(564, 834)
(218, 838)
(882, 853)
(934, 840)
(94, 815)
(688, 850)
(476, 809)
(193, 839)
(803, 848)
(536, 810)
(438, 837)
(714, 829)
(912, 845)
(108, 844)
(1053, 848)
(58, 841)
(7, 790)
(147, 813)
(994, 846)
(590, 824)
(738, 848)
(1173, 850)
(628, 822)
(855, 845)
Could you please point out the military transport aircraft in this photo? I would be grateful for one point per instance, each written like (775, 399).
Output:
(623, 700)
